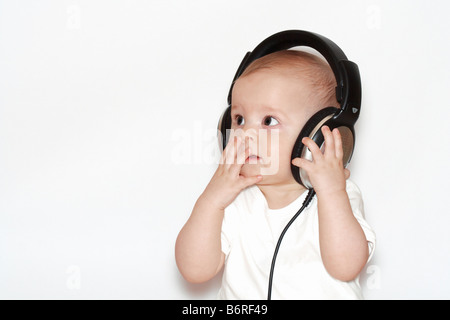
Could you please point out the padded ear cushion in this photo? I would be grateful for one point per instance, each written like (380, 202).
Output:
(307, 131)
(223, 125)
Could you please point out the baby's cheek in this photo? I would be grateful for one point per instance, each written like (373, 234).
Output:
(269, 143)
(280, 146)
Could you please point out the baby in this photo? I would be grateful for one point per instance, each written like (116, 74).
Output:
(237, 220)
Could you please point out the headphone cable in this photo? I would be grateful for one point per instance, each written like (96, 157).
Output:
(306, 202)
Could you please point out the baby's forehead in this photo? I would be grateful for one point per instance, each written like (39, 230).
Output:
(289, 61)
(282, 94)
(310, 76)
(271, 81)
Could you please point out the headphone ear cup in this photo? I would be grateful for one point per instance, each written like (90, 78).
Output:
(311, 129)
(222, 126)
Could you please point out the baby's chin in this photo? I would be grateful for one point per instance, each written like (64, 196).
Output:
(251, 170)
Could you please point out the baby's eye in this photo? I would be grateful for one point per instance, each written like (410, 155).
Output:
(240, 120)
(270, 121)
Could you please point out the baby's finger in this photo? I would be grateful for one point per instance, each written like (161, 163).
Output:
(312, 146)
(329, 141)
(226, 150)
(302, 163)
(249, 181)
(241, 153)
(338, 144)
(229, 154)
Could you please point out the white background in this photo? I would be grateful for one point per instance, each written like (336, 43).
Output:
(108, 111)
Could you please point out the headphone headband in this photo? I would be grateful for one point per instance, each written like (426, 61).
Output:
(348, 90)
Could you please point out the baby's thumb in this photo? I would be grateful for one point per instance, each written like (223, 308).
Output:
(249, 181)
(301, 163)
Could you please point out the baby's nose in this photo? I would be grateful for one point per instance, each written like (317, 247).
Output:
(251, 139)
(250, 134)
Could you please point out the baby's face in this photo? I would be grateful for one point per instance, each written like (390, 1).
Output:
(270, 108)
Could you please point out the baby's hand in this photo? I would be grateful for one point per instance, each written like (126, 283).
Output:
(326, 172)
(227, 183)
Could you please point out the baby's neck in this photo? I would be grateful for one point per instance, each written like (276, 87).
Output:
(279, 196)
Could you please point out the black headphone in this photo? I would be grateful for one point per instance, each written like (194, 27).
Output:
(348, 94)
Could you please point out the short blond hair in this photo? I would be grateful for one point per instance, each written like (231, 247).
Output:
(307, 66)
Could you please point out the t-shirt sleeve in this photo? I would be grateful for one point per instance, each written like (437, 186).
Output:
(357, 205)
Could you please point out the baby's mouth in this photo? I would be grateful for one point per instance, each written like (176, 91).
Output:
(253, 159)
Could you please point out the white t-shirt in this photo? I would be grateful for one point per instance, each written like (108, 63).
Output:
(250, 232)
